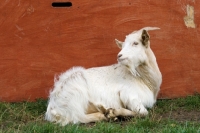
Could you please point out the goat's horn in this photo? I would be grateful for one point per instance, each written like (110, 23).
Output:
(150, 28)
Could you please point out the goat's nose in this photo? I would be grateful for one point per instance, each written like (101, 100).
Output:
(119, 55)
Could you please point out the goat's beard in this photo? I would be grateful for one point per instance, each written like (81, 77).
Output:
(133, 71)
(131, 68)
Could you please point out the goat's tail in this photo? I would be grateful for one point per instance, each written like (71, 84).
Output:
(69, 98)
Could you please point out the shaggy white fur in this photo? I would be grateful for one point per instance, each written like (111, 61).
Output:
(126, 88)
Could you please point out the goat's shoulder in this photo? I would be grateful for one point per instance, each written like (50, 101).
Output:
(107, 70)
(111, 73)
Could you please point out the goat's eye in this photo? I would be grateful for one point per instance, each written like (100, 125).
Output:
(135, 43)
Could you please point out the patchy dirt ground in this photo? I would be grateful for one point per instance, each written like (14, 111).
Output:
(178, 115)
(182, 115)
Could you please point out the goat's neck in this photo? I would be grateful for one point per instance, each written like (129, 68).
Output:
(150, 73)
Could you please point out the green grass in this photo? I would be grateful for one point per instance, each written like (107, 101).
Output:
(168, 116)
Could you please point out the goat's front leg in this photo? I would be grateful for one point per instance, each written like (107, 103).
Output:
(133, 103)
(114, 113)
(136, 106)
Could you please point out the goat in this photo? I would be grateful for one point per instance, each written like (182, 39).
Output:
(127, 88)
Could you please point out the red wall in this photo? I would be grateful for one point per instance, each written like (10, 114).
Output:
(38, 41)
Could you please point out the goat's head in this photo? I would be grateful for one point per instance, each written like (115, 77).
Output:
(133, 49)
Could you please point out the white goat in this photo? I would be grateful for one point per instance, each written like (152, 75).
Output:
(123, 89)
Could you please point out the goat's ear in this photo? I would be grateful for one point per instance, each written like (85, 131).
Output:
(145, 38)
(119, 43)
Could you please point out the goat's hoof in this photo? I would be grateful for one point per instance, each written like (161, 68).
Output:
(110, 114)
(115, 119)
(143, 113)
